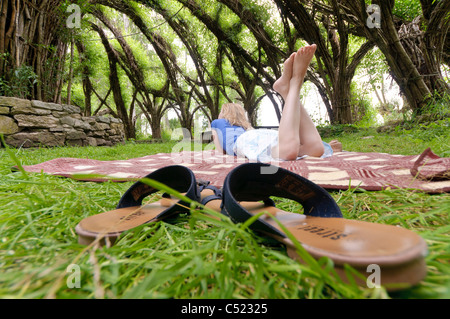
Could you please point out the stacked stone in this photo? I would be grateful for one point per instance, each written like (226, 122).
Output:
(27, 123)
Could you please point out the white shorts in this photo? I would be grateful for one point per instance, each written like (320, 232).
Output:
(257, 144)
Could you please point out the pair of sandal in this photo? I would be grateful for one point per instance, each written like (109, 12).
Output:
(397, 253)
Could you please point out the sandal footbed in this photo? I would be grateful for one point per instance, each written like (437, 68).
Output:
(397, 251)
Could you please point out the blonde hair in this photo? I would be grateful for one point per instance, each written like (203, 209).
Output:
(235, 114)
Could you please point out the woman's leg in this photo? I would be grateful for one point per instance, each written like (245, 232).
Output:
(288, 136)
(310, 141)
(297, 134)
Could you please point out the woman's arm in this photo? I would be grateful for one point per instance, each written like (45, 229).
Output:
(217, 142)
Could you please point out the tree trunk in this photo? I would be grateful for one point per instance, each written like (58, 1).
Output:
(87, 85)
(155, 124)
(29, 31)
(3, 17)
(404, 71)
(335, 68)
(69, 84)
(341, 101)
(130, 132)
(133, 71)
(417, 81)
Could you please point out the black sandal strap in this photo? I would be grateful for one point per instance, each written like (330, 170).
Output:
(178, 177)
(259, 181)
(217, 192)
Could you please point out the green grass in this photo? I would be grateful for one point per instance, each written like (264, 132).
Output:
(195, 256)
(411, 140)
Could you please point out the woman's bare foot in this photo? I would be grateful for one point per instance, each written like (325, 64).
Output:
(281, 86)
(302, 60)
(336, 146)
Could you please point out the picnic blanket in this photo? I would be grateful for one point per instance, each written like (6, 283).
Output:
(370, 171)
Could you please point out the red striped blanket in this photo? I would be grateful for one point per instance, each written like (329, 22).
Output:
(370, 171)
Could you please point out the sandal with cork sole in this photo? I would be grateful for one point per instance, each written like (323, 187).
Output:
(321, 229)
(130, 213)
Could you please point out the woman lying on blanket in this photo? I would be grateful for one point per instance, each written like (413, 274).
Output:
(297, 135)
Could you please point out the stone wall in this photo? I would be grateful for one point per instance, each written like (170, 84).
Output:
(27, 123)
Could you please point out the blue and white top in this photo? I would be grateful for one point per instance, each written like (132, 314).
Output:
(227, 134)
